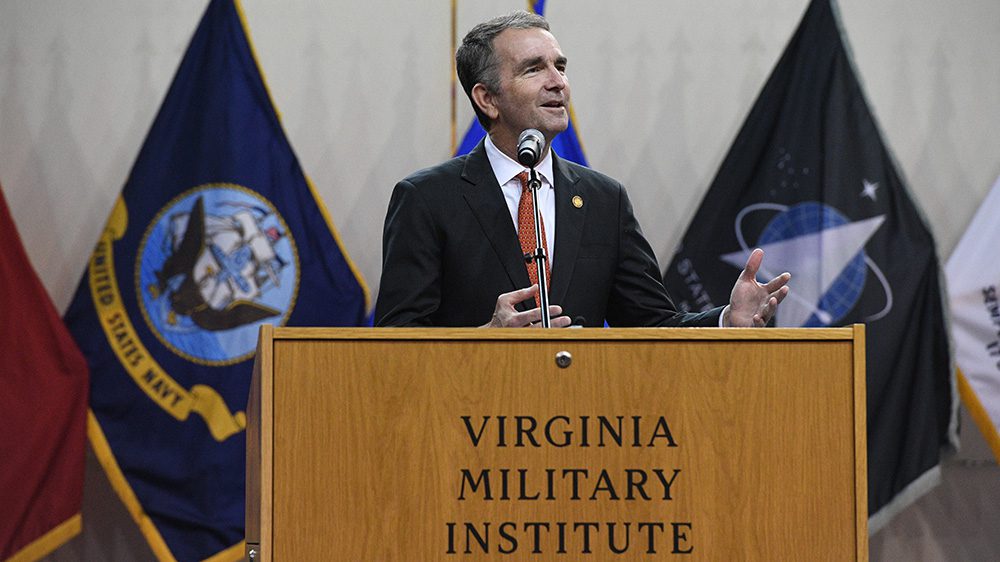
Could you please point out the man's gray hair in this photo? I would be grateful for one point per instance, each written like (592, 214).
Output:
(476, 60)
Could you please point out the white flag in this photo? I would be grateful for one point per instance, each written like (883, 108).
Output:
(973, 273)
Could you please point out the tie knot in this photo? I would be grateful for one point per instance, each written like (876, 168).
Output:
(523, 177)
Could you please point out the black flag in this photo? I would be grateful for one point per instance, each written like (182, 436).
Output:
(810, 180)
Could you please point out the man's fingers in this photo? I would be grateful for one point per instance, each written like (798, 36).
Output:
(519, 295)
(766, 312)
(561, 322)
(753, 303)
(753, 264)
(534, 315)
(780, 294)
(506, 316)
(778, 282)
(556, 322)
(770, 309)
(519, 319)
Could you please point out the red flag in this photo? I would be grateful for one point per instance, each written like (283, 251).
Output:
(43, 411)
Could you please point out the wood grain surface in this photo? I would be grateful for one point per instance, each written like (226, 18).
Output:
(735, 445)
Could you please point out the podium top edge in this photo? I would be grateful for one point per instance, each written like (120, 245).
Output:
(611, 334)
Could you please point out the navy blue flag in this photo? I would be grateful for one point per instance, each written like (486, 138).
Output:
(566, 144)
(809, 180)
(216, 232)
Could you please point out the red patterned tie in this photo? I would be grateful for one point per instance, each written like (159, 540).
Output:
(526, 233)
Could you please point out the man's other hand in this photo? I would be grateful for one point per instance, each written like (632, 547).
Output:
(506, 316)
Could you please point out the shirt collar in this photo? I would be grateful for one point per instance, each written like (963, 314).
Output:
(505, 168)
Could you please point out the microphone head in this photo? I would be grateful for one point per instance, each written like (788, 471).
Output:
(529, 147)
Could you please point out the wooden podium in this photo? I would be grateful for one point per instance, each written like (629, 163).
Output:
(574, 444)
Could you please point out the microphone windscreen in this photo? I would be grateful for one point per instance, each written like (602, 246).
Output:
(529, 147)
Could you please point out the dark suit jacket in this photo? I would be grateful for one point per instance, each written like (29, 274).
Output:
(449, 249)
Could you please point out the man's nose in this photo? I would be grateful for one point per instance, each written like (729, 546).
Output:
(556, 79)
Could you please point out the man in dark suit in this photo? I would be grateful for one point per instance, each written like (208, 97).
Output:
(451, 252)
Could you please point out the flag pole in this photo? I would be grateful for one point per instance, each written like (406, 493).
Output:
(454, 70)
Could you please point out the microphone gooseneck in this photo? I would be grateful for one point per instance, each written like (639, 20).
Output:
(529, 151)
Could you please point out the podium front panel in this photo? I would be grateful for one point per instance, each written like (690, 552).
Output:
(589, 444)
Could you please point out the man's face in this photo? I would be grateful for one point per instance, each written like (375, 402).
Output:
(534, 91)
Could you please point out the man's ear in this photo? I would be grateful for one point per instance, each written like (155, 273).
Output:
(485, 101)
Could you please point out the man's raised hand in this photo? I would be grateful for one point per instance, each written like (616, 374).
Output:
(753, 304)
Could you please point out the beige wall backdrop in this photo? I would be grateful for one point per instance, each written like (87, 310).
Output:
(660, 88)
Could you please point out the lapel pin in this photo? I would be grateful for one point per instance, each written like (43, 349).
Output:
(577, 201)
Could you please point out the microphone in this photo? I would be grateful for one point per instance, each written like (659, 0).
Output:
(529, 147)
(578, 322)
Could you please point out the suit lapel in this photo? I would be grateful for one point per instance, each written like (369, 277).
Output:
(483, 195)
(569, 227)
